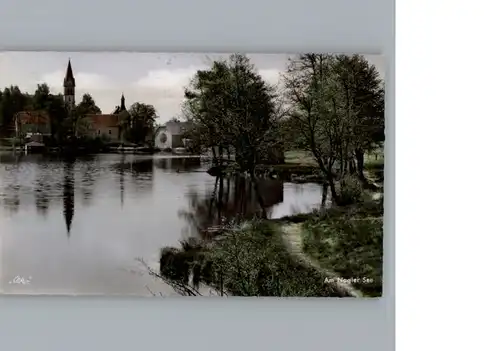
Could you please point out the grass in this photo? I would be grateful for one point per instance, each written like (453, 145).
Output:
(305, 158)
(10, 142)
(254, 261)
(300, 157)
(350, 244)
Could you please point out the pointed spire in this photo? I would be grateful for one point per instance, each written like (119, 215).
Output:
(69, 79)
(122, 106)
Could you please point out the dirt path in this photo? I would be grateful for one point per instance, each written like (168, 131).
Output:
(293, 239)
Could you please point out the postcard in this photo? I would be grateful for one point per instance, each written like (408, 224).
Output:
(191, 174)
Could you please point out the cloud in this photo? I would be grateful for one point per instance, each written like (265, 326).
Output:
(85, 81)
(174, 79)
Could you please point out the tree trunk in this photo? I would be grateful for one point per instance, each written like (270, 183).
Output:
(360, 161)
(214, 156)
(331, 183)
(260, 199)
(324, 194)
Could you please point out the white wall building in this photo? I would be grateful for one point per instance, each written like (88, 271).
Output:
(170, 135)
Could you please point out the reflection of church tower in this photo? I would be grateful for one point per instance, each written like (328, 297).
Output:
(122, 180)
(69, 87)
(69, 195)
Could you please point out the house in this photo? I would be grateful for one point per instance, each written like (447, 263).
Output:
(106, 126)
(32, 122)
(171, 135)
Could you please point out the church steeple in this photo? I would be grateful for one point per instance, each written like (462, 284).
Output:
(69, 86)
(122, 106)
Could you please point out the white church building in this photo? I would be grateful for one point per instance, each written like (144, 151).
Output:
(170, 135)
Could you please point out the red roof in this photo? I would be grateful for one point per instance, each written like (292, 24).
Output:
(104, 121)
(33, 117)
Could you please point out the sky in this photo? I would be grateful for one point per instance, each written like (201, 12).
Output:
(156, 79)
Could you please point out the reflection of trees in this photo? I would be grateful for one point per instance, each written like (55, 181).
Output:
(42, 191)
(11, 196)
(178, 163)
(88, 181)
(140, 171)
(11, 199)
(69, 194)
(121, 174)
(231, 199)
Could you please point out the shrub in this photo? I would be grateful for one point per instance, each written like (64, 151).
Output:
(250, 261)
(351, 191)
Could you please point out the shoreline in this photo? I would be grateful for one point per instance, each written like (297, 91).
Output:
(286, 242)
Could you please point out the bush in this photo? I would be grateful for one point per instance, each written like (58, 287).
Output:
(251, 261)
(255, 262)
(12, 142)
(351, 191)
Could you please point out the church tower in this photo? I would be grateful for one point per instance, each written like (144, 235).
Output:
(122, 105)
(69, 87)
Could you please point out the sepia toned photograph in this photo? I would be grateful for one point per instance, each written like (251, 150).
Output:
(218, 174)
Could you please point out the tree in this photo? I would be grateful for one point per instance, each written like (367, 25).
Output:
(309, 92)
(12, 101)
(88, 106)
(337, 104)
(362, 83)
(58, 113)
(142, 122)
(41, 98)
(232, 107)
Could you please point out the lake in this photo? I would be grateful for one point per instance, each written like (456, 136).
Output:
(79, 226)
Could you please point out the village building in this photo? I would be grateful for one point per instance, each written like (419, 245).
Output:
(171, 135)
(107, 126)
(36, 125)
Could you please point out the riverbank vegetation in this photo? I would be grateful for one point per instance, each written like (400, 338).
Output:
(324, 122)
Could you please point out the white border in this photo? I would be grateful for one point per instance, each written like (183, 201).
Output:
(447, 173)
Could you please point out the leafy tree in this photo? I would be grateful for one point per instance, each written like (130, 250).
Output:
(361, 83)
(142, 122)
(1, 114)
(337, 105)
(58, 115)
(87, 106)
(232, 108)
(41, 98)
(13, 101)
(314, 110)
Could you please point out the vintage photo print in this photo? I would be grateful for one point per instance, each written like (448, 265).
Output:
(192, 174)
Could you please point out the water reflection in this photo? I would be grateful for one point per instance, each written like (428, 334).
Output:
(42, 191)
(178, 164)
(69, 194)
(115, 208)
(231, 198)
(89, 173)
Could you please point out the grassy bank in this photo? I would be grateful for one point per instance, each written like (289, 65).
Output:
(256, 259)
(255, 262)
(301, 167)
(350, 245)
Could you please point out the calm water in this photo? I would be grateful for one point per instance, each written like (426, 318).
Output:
(79, 226)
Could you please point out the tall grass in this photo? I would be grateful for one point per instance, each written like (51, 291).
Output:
(350, 245)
